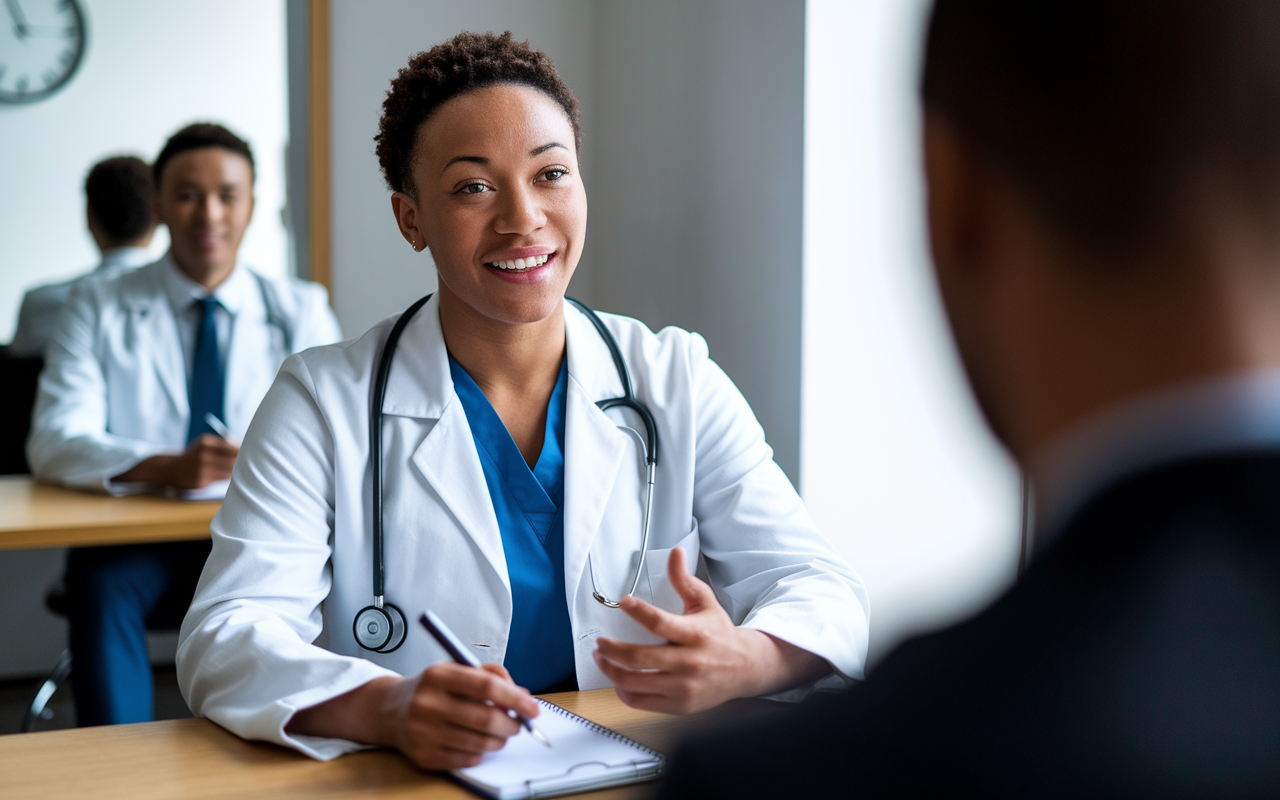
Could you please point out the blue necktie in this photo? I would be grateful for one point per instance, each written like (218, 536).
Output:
(207, 386)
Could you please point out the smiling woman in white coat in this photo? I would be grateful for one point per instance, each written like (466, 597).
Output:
(513, 505)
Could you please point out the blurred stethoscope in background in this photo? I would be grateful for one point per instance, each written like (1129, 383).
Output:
(381, 626)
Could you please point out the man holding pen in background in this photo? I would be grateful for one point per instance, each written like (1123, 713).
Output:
(146, 376)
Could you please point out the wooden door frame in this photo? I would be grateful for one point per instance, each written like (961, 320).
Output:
(319, 105)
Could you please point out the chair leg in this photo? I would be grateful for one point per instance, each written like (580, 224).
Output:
(56, 678)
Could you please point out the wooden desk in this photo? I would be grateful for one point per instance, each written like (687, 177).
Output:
(194, 758)
(33, 515)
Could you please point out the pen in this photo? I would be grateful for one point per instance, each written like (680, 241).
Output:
(441, 633)
(219, 427)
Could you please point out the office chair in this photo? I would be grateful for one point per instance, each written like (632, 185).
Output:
(20, 375)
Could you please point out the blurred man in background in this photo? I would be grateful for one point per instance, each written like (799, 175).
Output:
(118, 208)
(1104, 210)
(151, 378)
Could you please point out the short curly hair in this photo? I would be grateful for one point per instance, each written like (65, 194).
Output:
(467, 62)
(118, 191)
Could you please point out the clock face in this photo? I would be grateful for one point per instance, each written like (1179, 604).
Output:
(41, 44)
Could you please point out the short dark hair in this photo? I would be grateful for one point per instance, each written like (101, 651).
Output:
(1108, 114)
(198, 136)
(118, 192)
(467, 62)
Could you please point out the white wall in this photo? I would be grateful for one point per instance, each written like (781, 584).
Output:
(151, 66)
(897, 466)
(375, 273)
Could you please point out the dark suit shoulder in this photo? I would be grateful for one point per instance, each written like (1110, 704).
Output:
(1140, 654)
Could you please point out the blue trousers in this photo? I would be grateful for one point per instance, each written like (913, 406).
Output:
(114, 594)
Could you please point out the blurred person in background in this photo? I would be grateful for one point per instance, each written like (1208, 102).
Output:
(118, 210)
(1104, 209)
(145, 375)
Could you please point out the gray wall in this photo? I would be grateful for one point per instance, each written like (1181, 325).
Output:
(692, 113)
(696, 182)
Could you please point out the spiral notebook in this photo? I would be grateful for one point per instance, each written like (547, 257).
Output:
(582, 756)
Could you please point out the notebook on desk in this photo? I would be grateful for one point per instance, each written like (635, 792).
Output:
(583, 756)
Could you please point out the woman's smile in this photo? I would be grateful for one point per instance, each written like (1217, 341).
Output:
(522, 265)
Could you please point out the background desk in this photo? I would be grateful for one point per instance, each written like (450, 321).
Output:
(195, 758)
(33, 516)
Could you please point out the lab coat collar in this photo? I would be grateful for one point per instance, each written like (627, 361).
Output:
(590, 362)
(421, 386)
(124, 258)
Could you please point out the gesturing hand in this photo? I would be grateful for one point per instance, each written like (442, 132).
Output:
(707, 659)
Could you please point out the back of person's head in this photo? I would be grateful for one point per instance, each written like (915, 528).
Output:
(1115, 117)
(118, 194)
(198, 136)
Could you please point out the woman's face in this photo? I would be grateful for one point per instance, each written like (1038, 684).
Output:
(500, 202)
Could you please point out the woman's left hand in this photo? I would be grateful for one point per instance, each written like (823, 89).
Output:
(707, 659)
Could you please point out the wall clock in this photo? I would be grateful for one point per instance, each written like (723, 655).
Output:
(41, 46)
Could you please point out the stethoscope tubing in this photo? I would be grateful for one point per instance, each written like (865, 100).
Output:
(379, 392)
(375, 443)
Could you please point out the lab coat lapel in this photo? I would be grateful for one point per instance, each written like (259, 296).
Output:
(448, 460)
(594, 447)
(252, 358)
(420, 386)
(155, 330)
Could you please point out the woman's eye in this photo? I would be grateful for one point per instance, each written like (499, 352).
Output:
(554, 174)
(474, 188)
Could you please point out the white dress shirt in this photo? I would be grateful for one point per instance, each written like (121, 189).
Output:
(42, 305)
(114, 390)
(233, 295)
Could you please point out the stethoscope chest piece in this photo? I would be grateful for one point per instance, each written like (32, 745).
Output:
(380, 629)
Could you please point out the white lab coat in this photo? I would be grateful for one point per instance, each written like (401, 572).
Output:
(114, 387)
(270, 629)
(42, 306)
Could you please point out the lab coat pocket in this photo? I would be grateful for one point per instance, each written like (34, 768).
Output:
(663, 593)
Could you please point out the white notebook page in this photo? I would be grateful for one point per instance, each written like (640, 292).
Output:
(581, 756)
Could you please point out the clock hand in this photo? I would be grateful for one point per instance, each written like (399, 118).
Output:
(50, 30)
(20, 25)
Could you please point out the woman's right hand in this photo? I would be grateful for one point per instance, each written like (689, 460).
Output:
(450, 715)
(446, 717)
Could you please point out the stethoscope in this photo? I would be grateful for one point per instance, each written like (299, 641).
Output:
(381, 626)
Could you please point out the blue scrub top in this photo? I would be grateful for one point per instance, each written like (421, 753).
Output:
(529, 505)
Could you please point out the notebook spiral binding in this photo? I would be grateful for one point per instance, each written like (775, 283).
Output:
(600, 729)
